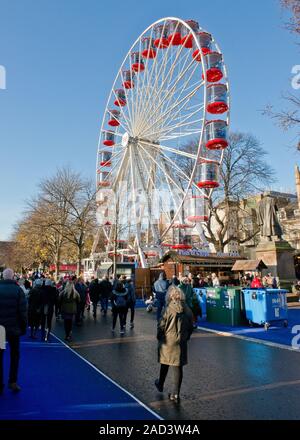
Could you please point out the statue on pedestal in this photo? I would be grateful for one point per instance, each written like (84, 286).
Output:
(268, 219)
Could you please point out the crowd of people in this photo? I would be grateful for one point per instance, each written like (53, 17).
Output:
(33, 302)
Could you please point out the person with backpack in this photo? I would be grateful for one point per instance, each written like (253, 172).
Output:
(95, 295)
(119, 303)
(173, 331)
(69, 298)
(131, 300)
(105, 288)
(160, 288)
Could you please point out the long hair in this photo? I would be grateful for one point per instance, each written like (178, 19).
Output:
(69, 289)
(175, 294)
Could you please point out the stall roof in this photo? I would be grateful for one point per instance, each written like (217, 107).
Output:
(208, 260)
(249, 265)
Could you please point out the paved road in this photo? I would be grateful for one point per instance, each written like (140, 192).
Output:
(226, 378)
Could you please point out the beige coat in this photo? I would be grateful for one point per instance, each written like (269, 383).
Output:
(173, 331)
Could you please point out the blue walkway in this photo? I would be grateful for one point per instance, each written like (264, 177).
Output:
(59, 385)
(276, 333)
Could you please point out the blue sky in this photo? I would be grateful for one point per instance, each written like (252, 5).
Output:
(61, 57)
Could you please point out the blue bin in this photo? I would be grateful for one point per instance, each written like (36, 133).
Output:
(201, 295)
(264, 306)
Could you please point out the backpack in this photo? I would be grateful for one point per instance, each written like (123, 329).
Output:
(120, 301)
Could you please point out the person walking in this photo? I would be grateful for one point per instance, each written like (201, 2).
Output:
(131, 301)
(105, 289)
(49, 299)
(160, 289)
(69, 298)
(95, 295)
(34, 307)
(82, 290)
(173, 331)
(13, 318)
(256, 283)
(215, 280)
(119, 306)
(187, 289)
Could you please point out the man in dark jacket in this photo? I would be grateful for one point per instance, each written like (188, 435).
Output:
(95, 294)
(160, 289)
(105, 293)
(13, 318)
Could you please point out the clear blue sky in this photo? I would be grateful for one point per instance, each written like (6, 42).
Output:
(61, 57)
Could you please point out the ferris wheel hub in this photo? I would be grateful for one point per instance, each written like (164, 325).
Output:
(125, 139)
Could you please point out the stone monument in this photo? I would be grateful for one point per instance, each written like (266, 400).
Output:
(275, 252)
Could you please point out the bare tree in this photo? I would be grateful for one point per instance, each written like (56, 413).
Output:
(244, 170)
(289, 117)
(65, 206)
(293, 6)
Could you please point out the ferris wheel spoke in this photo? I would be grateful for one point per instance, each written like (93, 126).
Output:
(172, 116)
(114, 166)
(158, 71)
(169, 77)
(120, 122)
(146, 198)
(141, 97)
(169, 128)
(184, 100)
(170, 150)
(138, 228)
(171, 87)
(157, 107)
(159, 166)
(126, 121)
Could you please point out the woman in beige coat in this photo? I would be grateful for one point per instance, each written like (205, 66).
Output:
(173, 331)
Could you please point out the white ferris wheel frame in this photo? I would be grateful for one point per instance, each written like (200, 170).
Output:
(124, 124)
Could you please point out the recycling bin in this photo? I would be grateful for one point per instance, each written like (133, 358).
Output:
(225, 306)
(265, 306)
(201, 295)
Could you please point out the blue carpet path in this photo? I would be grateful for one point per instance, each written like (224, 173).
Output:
(57, 384)
(276, 334)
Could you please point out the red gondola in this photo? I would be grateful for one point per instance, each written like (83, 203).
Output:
(197, 209)
(113, 120)
(109, 138)
(204, 40)
(128, 79)
(207, 174)
(120, 98)
(214, 66)
(187, 40)
(217, 97)
(148, 48)
(175, 29)
(137, 62)
(216, 134)
(161, 36)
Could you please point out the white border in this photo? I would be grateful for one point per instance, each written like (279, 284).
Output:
(108, 378)
(249, 339)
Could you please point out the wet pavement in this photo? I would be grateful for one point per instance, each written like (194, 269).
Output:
(226, 378)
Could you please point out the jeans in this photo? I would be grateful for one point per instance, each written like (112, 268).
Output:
(46, 321)
(104, 304)
(121, 312)
(95, 308)
(68, 324)
(177, 377)
(14, 346)
(131, 307)
(161, 301)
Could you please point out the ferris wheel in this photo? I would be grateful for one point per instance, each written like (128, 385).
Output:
(161, 143)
